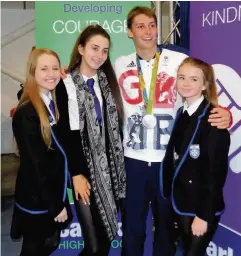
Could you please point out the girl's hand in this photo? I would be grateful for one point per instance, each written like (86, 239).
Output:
(62, 217)
(82, 188)
(199, 227)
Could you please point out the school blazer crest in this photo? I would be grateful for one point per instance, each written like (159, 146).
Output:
(194, 180)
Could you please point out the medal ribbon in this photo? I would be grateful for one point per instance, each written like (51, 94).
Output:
(148, 102)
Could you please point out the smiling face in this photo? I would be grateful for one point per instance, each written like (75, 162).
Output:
(47, 72)
(94, 54)
(143, 31)
(190, 82)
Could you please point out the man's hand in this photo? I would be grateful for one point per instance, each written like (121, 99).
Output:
(81, 188)
(199, 227)
(220, 118)
(63, 72)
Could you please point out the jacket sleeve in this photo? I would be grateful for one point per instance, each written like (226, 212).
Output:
(214, 172)
(40, 158)
(69, 139)
(166, 173)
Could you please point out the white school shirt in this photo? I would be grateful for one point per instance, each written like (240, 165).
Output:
(47, 99)
(73, 108)
(193, 107)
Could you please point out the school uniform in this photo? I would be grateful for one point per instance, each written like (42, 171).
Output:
(89, 130)
(93, 231)
(194, 171)
(41, 185)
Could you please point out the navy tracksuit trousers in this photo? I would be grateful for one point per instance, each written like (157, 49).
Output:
(142, 188)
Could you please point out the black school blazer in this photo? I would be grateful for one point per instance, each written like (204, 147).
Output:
(41, 186)
(70, 139)
(195, 183)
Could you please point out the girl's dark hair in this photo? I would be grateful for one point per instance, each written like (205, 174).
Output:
(76, 58)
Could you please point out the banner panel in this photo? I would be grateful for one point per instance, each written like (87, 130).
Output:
(215, 37)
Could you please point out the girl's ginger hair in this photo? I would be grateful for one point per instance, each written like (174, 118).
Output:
(31, 93)
(209, 78)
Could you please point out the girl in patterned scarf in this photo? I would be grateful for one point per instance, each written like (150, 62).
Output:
(90, 109)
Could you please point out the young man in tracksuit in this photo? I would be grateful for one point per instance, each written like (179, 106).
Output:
(147, 82)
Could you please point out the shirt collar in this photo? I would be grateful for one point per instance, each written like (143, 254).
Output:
(193, 107)
(94, 77)
(46, 98)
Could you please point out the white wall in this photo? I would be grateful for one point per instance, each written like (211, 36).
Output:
(14, 58)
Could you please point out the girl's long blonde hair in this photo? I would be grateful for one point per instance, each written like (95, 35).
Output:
(209, 78)
(31, 93)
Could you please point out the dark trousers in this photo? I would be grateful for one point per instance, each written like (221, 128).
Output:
(195, 245)
(39, 246)
(94, 233)
(142, 188)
